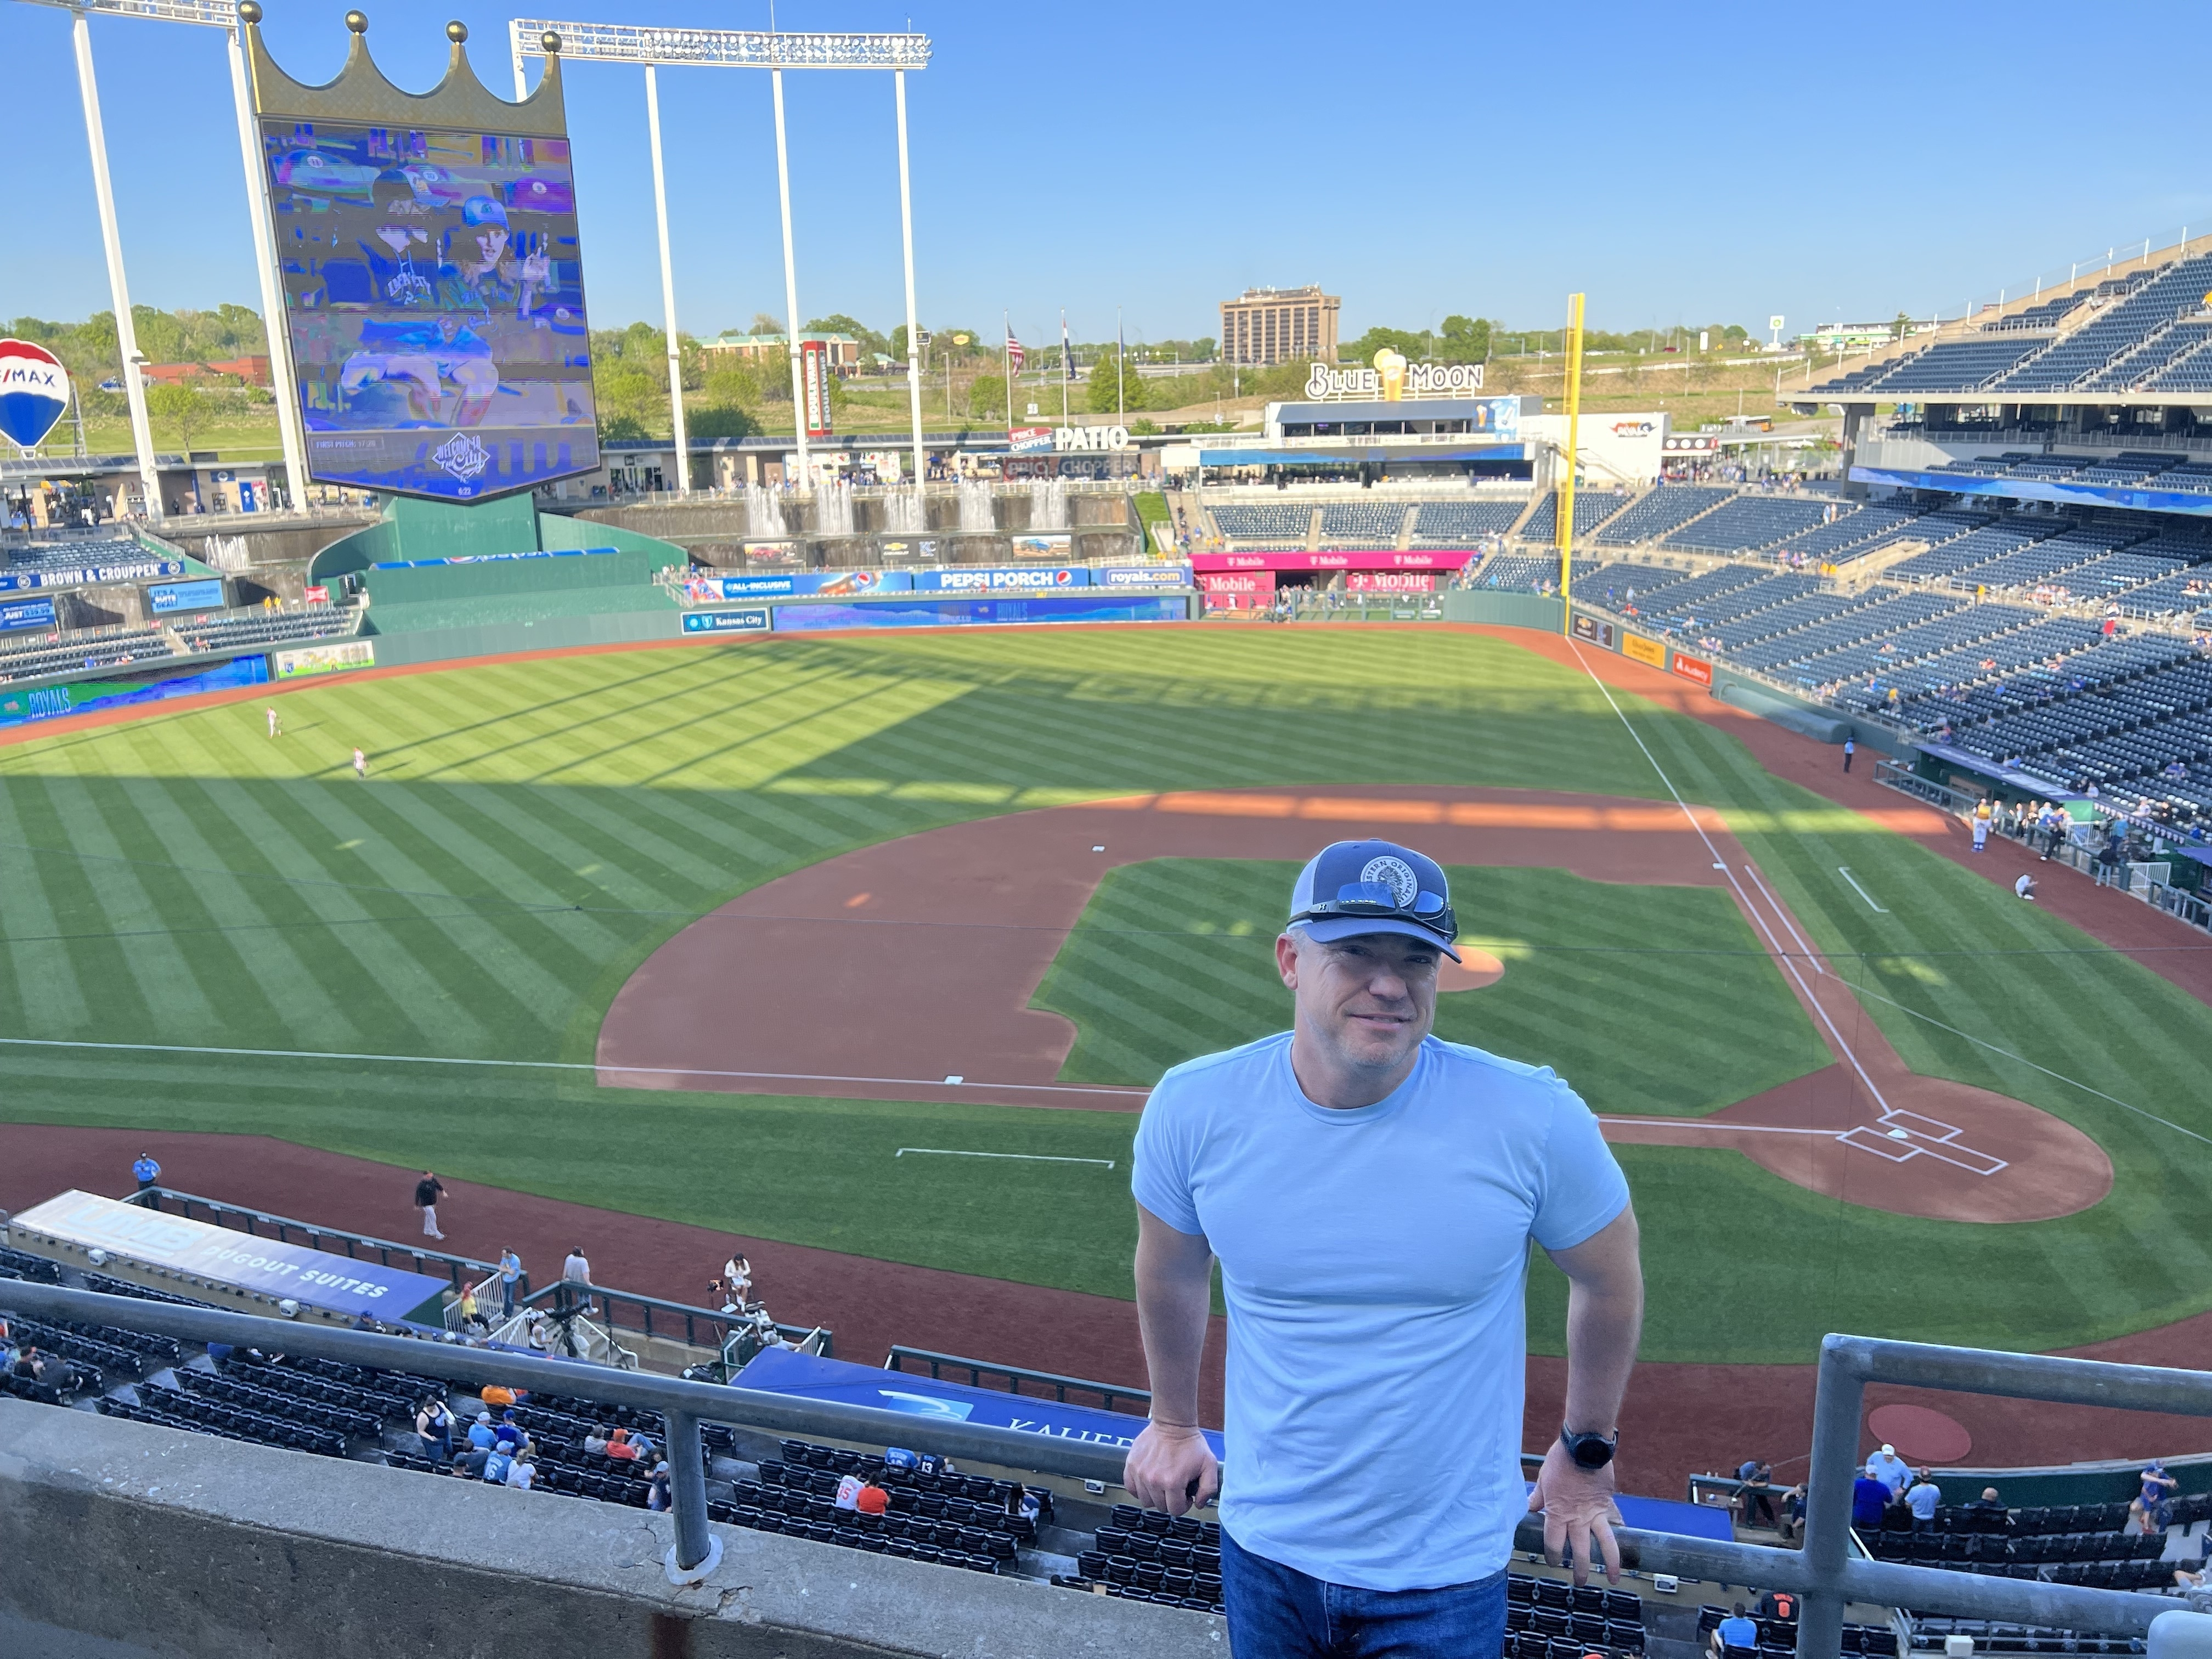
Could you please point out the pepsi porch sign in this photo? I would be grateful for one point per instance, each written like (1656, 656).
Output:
(34, 392)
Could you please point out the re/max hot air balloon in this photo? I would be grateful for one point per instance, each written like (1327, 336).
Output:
(34, 392)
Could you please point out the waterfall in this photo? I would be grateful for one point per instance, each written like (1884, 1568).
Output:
(975, 505)
(763, 512)
(903, 512)
(1049, 504)
(833, 509)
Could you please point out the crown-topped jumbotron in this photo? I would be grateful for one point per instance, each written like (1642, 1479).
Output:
(361, 92)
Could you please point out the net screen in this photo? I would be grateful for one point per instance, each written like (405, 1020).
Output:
(436, 296)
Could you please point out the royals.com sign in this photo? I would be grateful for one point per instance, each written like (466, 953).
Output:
(219, 1256)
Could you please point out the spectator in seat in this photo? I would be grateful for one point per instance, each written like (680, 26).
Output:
(2153, 1508)
(470, 1460)
(1793, 1513)
(596, 1444)
(1922, 1499)
(1780, 1604)
(1869, 1502)
(1737, 1633)
(521, 1473)
(1989, 1500)
(620, 1447)
(53, 1370)
(848, 1492)
(497, 1466)
(871, 1499)
(660, 1496)
(506, 1431)
(2189, 1578)
(482, 1436)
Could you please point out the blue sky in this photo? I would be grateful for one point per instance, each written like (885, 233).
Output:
(1719, 163)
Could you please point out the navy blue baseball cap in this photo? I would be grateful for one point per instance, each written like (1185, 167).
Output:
(1374, 887)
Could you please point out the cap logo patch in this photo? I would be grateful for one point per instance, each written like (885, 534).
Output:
(1397, 875)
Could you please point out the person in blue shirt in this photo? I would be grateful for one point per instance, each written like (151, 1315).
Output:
(510, 1271)
(1736, 1633)
(1869, 1502)
(482, 1435)
(148, 1172)
(497, 1466)
(1371, 1193)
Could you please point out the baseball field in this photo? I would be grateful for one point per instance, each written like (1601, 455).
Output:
(461, 960)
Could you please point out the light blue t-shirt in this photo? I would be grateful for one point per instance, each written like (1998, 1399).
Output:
(1373, 1261)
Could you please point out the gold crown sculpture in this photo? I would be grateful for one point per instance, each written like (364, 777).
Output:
(362, 95)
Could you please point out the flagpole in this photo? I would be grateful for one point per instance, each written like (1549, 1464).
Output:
(1066, 363)
(1007, 318)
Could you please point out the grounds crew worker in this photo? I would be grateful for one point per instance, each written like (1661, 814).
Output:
(1371, 1192)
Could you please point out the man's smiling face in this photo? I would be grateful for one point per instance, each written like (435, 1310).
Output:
(1368, 1000)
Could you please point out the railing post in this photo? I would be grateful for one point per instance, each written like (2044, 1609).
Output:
(697, 1549)
(1839, 1394)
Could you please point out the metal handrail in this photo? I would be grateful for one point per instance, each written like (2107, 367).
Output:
(458, 1267)
(1825, 1572)
(1016, 1376)
(691, 1314)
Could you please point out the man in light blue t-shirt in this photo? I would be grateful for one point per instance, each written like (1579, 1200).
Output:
(1371, 1193)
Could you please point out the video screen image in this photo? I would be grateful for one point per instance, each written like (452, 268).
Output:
(435, 293)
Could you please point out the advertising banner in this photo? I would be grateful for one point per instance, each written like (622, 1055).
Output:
(1422, 559)
(27, 613)
(1141, 575)
(137, 570)
(1643, 650)
(770, 553)
(34, 392)
(340, 1284)
(332, 659)
(775, 584)
(316, 593)
(186, 595)
(958, 613)
(803, 1377)
(753, 619)
(1591, 630)
(1043, 544)
(1029, 439)
(1238, 590)
(47, 703)
(814, 384)
(1390, 581)
(1696, 669)
(963, 579)
(434, 288)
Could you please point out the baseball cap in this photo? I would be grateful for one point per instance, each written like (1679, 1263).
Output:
(481, 209)
(1357, 887)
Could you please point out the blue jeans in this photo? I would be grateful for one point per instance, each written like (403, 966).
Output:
(1277, 1612)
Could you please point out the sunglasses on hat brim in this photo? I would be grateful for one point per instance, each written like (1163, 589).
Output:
(1429, 911)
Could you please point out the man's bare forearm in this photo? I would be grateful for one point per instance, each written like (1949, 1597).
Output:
(1173, 1303)
(1605, 1318)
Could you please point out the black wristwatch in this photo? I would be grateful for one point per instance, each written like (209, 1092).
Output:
(1590, 1452)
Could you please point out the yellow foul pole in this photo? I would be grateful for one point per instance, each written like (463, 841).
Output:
(1566, 492)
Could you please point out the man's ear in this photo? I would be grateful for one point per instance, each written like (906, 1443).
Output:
(1286, 959)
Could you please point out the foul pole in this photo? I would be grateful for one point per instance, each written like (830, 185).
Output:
(1566, 495)
(913, 321)
(127, 335)
(790, 295)
(667, 287)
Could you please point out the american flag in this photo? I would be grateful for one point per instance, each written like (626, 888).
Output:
(1015, 355)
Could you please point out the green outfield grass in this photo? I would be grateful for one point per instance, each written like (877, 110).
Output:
(1175, 957)
(531, 830)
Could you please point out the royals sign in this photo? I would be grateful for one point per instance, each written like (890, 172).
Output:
(1393, 377)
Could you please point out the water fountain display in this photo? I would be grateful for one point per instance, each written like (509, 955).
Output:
(763, 512)
(1049, 504)
(833, 509)
(976, 506)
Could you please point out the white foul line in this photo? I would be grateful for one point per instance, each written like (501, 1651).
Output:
(1033, 1158)
(1845, 871)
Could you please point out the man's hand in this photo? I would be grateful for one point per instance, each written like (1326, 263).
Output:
(1579, 1513)
(1166, 1463)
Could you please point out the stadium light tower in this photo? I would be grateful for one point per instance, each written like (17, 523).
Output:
(208, 13)
(753, 48)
